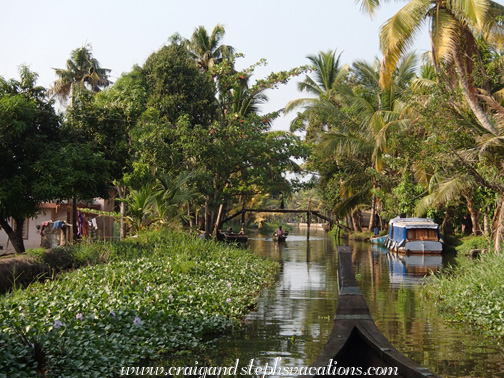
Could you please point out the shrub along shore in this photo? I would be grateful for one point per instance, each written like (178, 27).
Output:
(163, 293)
(471, 291)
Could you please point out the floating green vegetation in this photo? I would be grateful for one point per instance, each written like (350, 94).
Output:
(472, 291)
(166, 293)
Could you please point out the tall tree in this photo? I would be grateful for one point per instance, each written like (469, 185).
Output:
(328, 74)
(29, 160)
(82, 72)
(359, 117)
(177, 88)
(454, 29)
(207, 49)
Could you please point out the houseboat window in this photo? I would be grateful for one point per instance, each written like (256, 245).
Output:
(422, 234)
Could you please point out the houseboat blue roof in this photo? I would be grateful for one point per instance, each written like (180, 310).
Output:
(416, 224)
(399, 219)
(399, 226)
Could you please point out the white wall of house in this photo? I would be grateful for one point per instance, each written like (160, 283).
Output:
(52, 212)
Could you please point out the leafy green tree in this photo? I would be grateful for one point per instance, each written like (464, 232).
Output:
(229, 147)
(29, 145)
(176, 87)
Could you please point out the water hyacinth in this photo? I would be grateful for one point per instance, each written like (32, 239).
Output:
(58, 324)
(117, 335)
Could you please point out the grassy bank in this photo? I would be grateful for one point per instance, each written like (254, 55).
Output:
(164, 293)
(472, 291)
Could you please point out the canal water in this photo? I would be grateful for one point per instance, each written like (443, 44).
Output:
(294, 318)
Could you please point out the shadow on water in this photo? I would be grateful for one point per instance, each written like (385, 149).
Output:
(294, 318)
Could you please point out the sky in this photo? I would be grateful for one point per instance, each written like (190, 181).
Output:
(41, 34)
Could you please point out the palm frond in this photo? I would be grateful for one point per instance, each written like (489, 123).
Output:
(397, 34)
(445, 191)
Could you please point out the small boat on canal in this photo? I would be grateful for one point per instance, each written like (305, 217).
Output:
(355, 344)
(414, 235)
(378, 239)
(230, 236)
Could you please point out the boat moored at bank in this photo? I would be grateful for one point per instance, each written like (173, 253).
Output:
(414, 235)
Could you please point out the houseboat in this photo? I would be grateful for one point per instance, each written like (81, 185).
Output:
(414, 235)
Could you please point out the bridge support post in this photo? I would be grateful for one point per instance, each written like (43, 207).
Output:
(308, 221)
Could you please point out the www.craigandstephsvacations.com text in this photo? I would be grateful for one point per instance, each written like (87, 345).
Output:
(254, 369)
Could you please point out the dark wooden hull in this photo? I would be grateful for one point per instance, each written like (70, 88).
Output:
(355, 342)
(238, 238)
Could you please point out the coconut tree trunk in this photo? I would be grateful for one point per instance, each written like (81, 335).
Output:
(476, 229)
(74, 217)
(356, 220)
(447, 226)
(219, 217)
(373, 212)
(469, 96)
(121, 191)
(207, 216)
(498, 223)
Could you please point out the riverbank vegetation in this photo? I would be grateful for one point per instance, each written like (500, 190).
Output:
(161, 293)
(471, 292)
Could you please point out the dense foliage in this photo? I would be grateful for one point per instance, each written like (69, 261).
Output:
(394, 139)
(471, 292)
(164, 292)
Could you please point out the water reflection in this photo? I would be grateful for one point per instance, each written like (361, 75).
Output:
(391, 285)
(294, 318)
(411, 269)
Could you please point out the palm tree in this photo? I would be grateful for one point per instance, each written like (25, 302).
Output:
(328, 73)
(207, 49)
(140, 213)
(454, 28)
(443, 191)
(83, 72)
(370, 115)
(169, 196)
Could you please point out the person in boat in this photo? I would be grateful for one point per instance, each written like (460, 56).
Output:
(279, 232)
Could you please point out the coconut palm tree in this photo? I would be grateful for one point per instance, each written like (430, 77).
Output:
(370, 115)
(83, 72)
(328, 73)
(454, 29)
(207, 49)
(169, 196)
